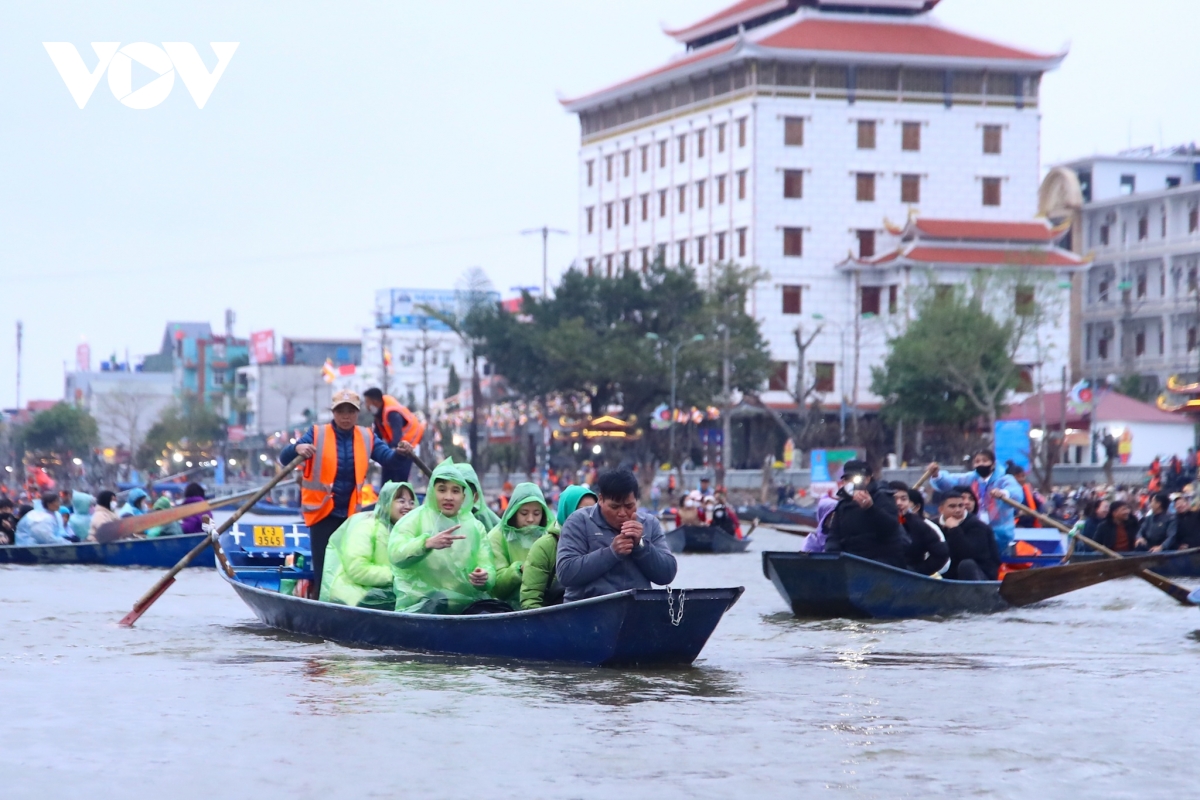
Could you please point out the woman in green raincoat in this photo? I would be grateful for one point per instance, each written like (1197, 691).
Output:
(525, 521)
(171, 528)
(487, 518)
(538, 587)
(441, 562)
(358, 571)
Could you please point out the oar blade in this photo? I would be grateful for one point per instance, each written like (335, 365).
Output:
(1029, 586)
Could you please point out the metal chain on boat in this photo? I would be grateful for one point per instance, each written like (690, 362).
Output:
(676, 617)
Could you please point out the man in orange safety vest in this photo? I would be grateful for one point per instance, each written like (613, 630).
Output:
(399, 428)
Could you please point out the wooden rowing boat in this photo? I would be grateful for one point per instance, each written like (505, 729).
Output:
(160, 552)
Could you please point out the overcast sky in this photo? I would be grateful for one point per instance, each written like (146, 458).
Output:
(354, 146)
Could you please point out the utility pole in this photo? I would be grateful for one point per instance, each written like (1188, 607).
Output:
(545, 231)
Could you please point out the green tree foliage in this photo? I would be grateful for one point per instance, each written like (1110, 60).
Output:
(453, 383)
(60, 430)
(186, 425)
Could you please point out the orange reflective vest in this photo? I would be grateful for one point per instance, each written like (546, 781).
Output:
(1031, 501)
(316, 482)
(414, 429)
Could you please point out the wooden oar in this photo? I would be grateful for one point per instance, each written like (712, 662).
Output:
(156, 591)
(1026, 586)
(1180, 593)
(421, 465)
(925, 476)
(128, 526)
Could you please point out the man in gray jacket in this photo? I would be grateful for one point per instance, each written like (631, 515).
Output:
(614, 545)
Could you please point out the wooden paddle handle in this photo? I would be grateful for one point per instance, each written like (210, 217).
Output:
(421, 465)
(925, 476)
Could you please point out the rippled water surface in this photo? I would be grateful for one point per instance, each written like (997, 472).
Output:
(1091, 695)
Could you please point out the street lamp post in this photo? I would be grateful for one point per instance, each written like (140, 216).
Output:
(675, 348)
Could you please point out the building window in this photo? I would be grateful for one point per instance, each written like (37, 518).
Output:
(1143, 228)
(824, 375)
(991, 191)
(608, 167)
(741, 126)
(741, 237)
(682, 149)
(645, 157)
(625, 163)
(591, 262)
(1139, 344)
(910, 188)
(1141, 285)
(608, 215)
(721, 138)
(1194, 220)
(218, 378)
(1102, 349)
(991, 139)
(625, 210)
(1104, 235)
(1161, 342)
(741, 185)
(662, 154)
(589, 211)
(1024, 300)
(721, 246)
(625, 260)
(910, 136)
(869, 300)
(682, 199)
(793, 183)
(792, 298)
(778, 381)
(1192, 280)
(793, 242)
(608, 264)
(793, 131)
(866, 134)
(720, 190)
(645, 258)
(700, 250)
(700, 194)
(864, 187)
(662, 202)
(682, 253)
(1102, 291)
(645, 207)
(590, 171)
(661, 255)
(1191, 339)
(1024, 379)
(700, 143)
(893, 298)
(1128, 182)
(866, 244)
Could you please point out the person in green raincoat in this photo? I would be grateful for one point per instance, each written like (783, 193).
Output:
(357, 570)
(525, 521)
(441, 562)
(487, 518)
(537, 579)
(171, 528)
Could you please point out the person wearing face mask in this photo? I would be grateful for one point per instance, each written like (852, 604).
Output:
(358, 571)
(104, 513)
(399, 429)
(988, 486)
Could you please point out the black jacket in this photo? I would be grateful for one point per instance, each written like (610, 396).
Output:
(1156, 528)
(975, 540)
(1106, 534)
(1185, 533)
(872, 533)
(926, 551)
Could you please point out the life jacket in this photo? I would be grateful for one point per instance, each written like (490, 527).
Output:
(316, 482)
(1031, 501)
(414, 429)
(369, 496)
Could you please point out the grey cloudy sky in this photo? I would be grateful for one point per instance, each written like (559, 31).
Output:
(353, 146)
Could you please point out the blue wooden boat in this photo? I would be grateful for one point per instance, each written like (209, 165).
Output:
(161, 552)
(269, 509)
(787, 514)
(704, 539)
(831, 585)
(639, 627)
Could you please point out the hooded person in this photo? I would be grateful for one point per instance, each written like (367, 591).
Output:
(538, 584)
(441, 561)
(171, 528)
(103, 513)
(194, 493)
(41, 524)
(358, 571)
(526, 520)
(815, 541)
(135, 504)
(81, 520)
(479, 507)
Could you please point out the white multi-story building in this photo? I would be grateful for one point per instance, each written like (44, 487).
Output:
(1141, 301)
(787, 135)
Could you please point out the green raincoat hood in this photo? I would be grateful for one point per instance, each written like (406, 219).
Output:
(524, 494)
(82, 502)
(162, 503)
(479, 506)
(568, 501)
(387, 495)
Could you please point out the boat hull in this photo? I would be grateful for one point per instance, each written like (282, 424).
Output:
(631, 628)
(1183, 566)
(705, 539)
(161, 552)
(833, 585)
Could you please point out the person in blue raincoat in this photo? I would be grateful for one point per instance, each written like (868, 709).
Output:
(989, 486)
(135, 504)
(81, 520)
(42, 524)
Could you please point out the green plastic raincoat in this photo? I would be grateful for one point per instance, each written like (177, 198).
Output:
(171, 528)
(487, 518)
(435, 581)
(510, 545)
(358, 571)
(537, 575)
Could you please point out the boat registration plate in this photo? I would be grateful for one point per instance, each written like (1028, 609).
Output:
(268, 536)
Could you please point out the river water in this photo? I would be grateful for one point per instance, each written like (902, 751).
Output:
(1090, 695)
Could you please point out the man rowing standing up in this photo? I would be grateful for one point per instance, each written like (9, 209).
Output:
(338, 455)
(399, 429)
(988, 486)
(614, 545)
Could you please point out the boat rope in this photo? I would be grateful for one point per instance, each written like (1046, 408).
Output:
(676, 617)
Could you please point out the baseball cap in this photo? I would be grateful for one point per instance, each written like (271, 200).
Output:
(856, 468)
(345, 397)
